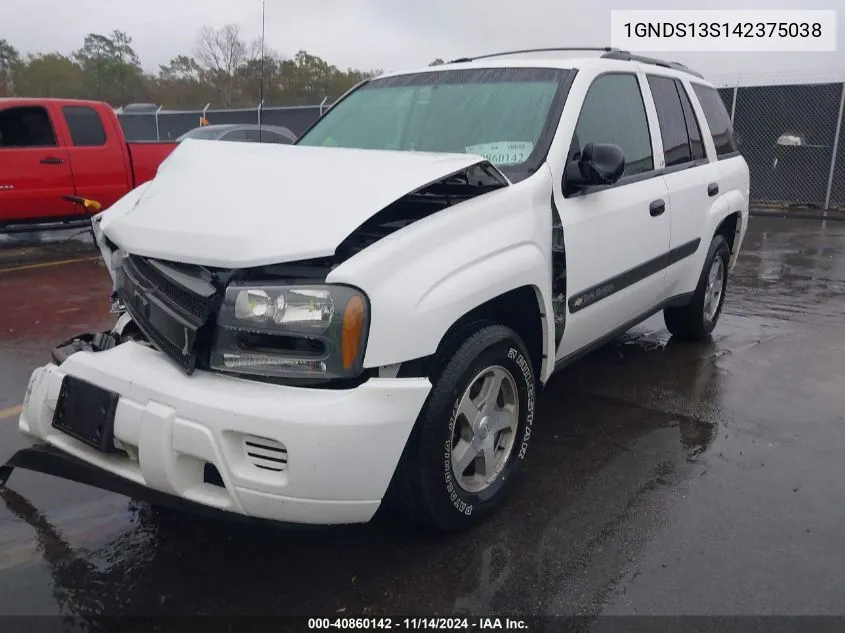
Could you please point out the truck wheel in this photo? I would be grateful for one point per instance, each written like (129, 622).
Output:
(472, 434)
(696, 320)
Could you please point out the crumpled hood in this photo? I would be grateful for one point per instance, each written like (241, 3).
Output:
(233, 205)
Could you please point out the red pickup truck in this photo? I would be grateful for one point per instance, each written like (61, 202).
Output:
(52, 149)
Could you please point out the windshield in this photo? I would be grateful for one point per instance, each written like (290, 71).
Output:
(502, 114)
(202, 133)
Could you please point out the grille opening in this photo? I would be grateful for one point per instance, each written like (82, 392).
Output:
(210, 475)
(266, 454)
(198, 306)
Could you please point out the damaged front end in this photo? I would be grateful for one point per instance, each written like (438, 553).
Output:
(465, 185)
(174, 307)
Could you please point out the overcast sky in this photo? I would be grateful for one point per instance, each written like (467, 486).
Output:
(390, 34)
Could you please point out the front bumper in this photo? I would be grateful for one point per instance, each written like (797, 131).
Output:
(342, 445)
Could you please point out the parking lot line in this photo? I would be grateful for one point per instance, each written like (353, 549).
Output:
(10, 412)
(46, 264)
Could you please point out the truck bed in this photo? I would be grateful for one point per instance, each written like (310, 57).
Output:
(146, 157)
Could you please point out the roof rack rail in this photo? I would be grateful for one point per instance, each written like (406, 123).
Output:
(629, 57)
(603, 49)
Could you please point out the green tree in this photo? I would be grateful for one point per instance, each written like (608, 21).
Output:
(181, 68)
(223, 69)
(308, 79)
(10, 65)
(50, 75)
(437, 62)
(111, 68)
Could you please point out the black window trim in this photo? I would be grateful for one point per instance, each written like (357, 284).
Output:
(629, 180)
(73, 106)
(625, 180)
(540, 153)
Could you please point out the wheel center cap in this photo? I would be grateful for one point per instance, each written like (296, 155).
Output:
(483, 429)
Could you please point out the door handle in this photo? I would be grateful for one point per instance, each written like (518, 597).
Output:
(52, 160)
(656, 208)
(713, 189)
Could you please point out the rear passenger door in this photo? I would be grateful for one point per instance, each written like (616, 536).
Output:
(97, 156)
(616, 237)
(692, 180)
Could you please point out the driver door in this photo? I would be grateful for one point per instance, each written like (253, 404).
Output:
(616, 237)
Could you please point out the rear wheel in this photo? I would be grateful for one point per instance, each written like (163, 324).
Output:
(472, 434)
(697, 319)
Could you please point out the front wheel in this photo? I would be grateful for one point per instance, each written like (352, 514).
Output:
(696, 320)
(472, 434)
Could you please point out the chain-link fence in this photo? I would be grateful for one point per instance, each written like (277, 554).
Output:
(791, 137)
(168, 125)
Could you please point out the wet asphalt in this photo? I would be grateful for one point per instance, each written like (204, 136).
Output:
(663, 479)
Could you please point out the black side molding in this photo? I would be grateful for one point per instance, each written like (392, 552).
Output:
(610, 286)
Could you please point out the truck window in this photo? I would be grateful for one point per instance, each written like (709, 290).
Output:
(613, 112)
(693, 127)
(670, 116)
(721, 128)
(26, 126)
(86, 128)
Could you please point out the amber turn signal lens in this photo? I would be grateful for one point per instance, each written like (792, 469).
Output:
(353, 330)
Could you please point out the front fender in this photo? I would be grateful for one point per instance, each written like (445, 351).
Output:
(425, 277)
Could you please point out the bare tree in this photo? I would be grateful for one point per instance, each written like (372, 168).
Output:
(220, 53)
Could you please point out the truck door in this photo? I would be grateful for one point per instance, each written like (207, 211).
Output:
(35, 169)
(97, 153)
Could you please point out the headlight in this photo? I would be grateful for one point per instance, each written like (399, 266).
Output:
(291, 331)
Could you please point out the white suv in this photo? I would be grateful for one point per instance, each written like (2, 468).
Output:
(310, 331)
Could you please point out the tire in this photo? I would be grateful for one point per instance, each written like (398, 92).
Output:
(696, 320)
(425, 487)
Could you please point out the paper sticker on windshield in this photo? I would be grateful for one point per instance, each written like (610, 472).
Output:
(504, 152)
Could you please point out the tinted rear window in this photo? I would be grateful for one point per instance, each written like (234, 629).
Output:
(717, 119)
(86, 128)
(670, 116)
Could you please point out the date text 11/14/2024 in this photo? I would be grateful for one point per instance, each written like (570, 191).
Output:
(418, 624)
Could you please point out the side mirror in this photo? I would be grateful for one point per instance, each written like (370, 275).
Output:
(599, 164)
